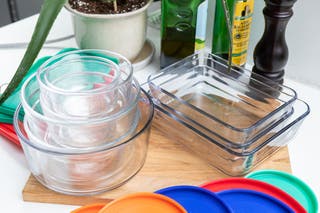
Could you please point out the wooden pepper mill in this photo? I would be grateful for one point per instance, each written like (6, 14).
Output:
(271, 53)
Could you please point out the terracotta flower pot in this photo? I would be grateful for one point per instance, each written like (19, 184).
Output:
(122, 33)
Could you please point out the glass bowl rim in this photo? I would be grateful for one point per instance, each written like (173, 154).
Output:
(79, 151)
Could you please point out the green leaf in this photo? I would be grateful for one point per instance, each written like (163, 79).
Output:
(49, 12)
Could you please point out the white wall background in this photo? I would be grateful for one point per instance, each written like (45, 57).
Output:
(302, 35)
(304, 42)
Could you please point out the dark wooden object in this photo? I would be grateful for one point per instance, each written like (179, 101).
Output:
(271, 53)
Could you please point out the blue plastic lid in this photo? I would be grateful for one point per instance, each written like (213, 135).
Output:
(195, 199)
(243, 201)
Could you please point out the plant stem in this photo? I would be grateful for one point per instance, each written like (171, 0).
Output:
(49, 11)
(115, 5)
(229, 27)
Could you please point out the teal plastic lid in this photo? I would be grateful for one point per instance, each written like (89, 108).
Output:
(290, 184)
(8, 107)
(5, 118)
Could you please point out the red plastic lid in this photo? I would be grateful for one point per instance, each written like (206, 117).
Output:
(91, 208)
(7, 131)
(245, 183)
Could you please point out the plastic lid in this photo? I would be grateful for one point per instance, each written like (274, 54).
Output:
(91, 208)
(290, 184)
(195, 199)
(246, 183)
(243, 201)
(143, 202)
(8, 107)
(5, 118)
(8, 132)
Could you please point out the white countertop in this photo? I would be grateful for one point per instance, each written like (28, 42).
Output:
(303, 148)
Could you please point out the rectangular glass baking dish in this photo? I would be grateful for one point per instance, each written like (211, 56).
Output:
(235, 106)
(230, 161)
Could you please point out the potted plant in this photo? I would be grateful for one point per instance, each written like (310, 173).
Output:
(48, 13)
(115, 25)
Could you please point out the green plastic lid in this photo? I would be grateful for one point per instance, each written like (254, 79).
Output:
(290, 184)
(8, 107)
(5, 118)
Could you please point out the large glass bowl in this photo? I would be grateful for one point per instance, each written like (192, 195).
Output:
(80, 171)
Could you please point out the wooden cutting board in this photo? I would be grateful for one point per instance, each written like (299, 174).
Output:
(168, 163)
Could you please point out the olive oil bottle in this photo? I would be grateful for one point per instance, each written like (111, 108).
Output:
(241, 12)
(183, 29)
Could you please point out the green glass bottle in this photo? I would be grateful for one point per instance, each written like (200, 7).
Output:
(241, 16)
(182, 30)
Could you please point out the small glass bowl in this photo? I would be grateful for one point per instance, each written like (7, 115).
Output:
(83, 84)
(79, 133)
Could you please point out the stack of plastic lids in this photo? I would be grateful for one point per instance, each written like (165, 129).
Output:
(292, 185)
(233, 200)
(250, 185)
(137, 202)
(196, 199)
(262, 191)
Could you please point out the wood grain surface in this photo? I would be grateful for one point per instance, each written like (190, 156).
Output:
(168, 163)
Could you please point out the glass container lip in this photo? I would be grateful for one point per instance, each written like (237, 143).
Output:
(77, 151)
(299, 117)
(204, 55)
(243, 130)
(44, 67)
(231, 144)
(98, 90)
(28, 108)
(208, 56)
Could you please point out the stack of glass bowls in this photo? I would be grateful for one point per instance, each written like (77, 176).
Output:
(233, 119)
(86, 122)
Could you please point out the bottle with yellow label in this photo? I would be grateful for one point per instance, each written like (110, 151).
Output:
(241, 16)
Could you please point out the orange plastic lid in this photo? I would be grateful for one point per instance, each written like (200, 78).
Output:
(92, 208)
(143, 202)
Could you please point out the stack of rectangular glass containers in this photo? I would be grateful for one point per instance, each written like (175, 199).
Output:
(231, 118)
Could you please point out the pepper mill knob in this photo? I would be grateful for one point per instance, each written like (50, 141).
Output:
(271, 53)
